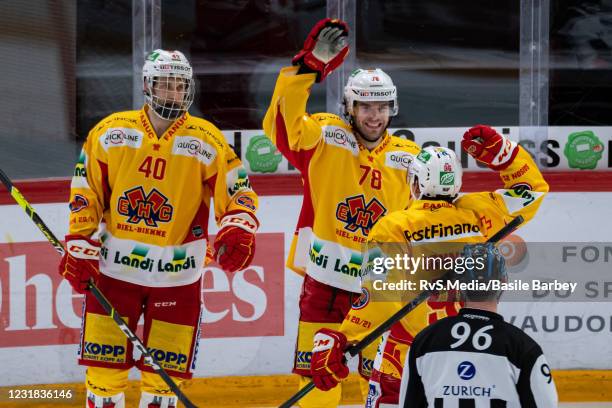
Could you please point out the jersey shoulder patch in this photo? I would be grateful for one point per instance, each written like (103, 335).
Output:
(340, 135)
(399, 143)
(478, 202)
(117, 119)
(120, 129)
(206, 131)
(325, 118)
(400, 152)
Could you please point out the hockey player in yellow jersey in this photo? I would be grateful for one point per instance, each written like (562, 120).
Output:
(354, 173)
(145, 180)
(435, 218)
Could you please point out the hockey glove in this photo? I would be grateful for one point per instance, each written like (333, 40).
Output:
(324, 49)
(327, 365)
(235, 242)
(486, 145)
(80, 261)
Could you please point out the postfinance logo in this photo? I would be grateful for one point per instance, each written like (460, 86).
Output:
(356, 214)
(139, 206)
(442, 231)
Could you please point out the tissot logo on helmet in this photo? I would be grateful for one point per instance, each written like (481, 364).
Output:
(374, 93)
(370, 86)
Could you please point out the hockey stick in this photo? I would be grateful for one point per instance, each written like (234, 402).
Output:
(148, 358)
(353, 350)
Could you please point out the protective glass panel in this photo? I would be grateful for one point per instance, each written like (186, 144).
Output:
(38, 88)
(237, 49)
(454, 63)
(580, 63)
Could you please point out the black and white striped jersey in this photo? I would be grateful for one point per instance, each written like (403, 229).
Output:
(476, 360)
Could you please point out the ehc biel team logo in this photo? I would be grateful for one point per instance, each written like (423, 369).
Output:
(78, 203)
(361, 301)
(150, 208)
(356, 214)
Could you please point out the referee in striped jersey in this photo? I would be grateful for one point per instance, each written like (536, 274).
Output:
(475, 359)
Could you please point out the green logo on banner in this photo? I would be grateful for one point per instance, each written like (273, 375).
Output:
(583, 150)
(262, 155)
(447, 178)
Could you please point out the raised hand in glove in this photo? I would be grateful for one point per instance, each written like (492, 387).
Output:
(486, 145)
(235, 241)
(80, 261)
(324, 49)
(327, 365)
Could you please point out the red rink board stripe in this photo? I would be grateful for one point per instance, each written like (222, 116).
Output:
(57, 190)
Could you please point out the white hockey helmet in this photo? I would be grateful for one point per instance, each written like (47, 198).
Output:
(161, 72)
(437, 172)
(370, 85)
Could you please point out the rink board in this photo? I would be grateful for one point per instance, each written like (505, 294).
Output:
(554, 147)
(250, 319)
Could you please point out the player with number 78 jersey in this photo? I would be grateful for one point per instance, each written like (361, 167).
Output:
(354, 173)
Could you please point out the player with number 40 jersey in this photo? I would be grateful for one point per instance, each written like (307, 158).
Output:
(145, 180)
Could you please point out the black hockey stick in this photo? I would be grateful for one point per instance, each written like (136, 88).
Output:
(353, 350)
(148, 358)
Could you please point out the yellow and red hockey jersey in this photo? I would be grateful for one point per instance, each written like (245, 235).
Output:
(347, 188)
(151, 196)
(431, 224)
